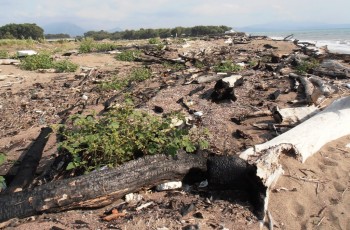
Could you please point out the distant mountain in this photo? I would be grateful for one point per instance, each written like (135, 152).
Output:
(287, 26)
(64, 28)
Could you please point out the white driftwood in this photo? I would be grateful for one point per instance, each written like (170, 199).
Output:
(305, 140)
(291, 116)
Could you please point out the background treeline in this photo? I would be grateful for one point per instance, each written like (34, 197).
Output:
(162, 33)
(21, 31)
(57, 36)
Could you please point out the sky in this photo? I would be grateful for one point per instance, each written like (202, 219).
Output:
(135, 14)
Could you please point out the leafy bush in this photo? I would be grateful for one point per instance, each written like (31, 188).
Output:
(104, 47)
(307, 66)
(154, 41)
(4, 54)
(115, 84)
(65, 66)
(121, 135)
(45, 61)
(138, 75)
(227, 67)
(34, 62)
(86, 45)
(128, 55)
(174, 66)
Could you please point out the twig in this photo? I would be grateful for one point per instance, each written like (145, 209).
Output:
(319, 223)
(306, 179)
(342, 195)
(271, 221)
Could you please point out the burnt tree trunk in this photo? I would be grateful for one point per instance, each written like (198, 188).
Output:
(99, 188)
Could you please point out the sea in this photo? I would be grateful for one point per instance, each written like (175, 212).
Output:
(336, 40)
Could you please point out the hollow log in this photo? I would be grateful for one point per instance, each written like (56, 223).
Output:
(99, 188)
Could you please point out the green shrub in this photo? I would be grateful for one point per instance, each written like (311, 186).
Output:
(4, 54)
(39, 61)
(86, 45)
(154, 41)
(174, 66)
(227, 67)
(140, 74)
(128, 55)
(307, 66)
(65, 66)
(45, 61)
(104, 47)
(115, 84)
(119, 136)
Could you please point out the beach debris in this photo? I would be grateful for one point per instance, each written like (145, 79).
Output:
(133, 197)
(169, 186)
(241, 134)
(114, 215)
(224, 88)
(292, 116)
(334, 69)
(24, 53)
(273, 96)
(144, 206)
(284, 189)
(10, 62)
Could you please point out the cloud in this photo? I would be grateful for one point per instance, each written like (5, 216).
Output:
(106, 14)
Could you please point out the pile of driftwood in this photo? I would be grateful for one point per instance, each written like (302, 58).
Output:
(255, 170)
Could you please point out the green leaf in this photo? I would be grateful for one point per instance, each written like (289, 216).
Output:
(2, 158)
(70, 166)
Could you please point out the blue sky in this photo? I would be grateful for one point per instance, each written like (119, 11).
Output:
(134, 14)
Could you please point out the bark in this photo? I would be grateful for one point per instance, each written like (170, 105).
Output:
(99, 188)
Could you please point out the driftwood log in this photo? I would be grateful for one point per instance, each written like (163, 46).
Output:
(304, 140)
(99, 188)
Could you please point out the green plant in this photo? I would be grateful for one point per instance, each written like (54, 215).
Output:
(307, 66)
(115, 84)
(104, 47)
(174, 66)
(45, 61)
(4, 54)
(154, 41)
(2, 179)
(140, 74)
(39, 61)
(128, 55)
(86, 45)
(227, 67)
(121, 135)
(65, 66)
